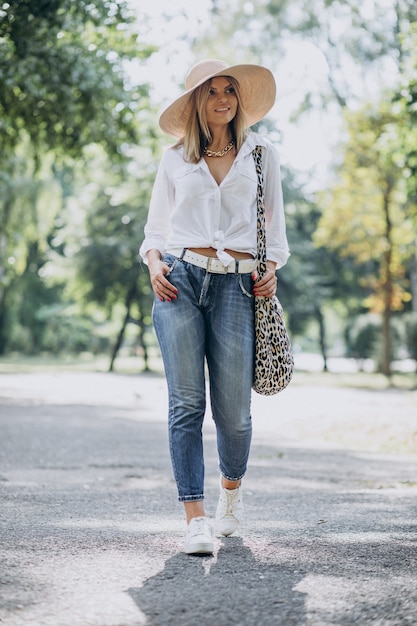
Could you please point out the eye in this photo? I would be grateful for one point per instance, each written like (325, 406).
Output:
(230, 90)
(211, 92)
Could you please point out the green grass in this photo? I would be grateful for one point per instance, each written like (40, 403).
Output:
(359, 380)
(85, 362)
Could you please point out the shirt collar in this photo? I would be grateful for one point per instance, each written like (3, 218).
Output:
(252, 140)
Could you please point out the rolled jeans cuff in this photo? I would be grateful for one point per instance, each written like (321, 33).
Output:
(191, 498)
(232, 480)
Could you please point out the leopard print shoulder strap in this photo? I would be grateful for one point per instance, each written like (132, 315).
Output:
(260, 213)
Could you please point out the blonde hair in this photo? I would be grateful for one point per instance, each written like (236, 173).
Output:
(197, 133)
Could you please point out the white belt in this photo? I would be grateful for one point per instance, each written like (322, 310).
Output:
(214, 265)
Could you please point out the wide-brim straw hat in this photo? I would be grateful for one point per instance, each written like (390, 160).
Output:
(257, 90)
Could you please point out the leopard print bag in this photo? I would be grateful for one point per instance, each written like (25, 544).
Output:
(274, 361)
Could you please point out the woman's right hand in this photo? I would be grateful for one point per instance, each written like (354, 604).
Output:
(158, 270)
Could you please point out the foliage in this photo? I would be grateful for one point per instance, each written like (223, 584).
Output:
(357, 40)
(62, 79)
(64, 86)
(108, 269)
(370, 196)
(363, 336)
(74, 191)
(114, 220)
(411, 334)
(304, 282)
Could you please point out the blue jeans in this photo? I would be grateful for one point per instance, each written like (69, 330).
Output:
(211, 321)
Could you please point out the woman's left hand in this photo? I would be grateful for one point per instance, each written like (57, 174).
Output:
(267, 286)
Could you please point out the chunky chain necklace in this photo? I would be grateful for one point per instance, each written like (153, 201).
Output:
(220, 153)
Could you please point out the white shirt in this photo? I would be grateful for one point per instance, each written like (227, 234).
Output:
(189, 209)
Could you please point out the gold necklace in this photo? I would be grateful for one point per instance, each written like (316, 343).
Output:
(220, 153)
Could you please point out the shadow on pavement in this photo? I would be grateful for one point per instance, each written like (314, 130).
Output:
(90, 527)
(232, 587)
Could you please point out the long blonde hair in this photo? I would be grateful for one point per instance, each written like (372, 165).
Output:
(197, 133)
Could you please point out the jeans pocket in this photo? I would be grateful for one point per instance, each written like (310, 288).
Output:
(246, 284)
(171, 261)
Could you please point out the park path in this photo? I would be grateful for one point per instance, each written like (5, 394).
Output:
(91, 533)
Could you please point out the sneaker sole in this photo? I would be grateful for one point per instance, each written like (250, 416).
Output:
(226, 532)
(226, 527)
(200, 548)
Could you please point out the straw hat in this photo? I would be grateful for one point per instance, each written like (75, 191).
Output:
(256, 86)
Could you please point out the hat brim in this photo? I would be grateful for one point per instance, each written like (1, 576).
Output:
(257, 89)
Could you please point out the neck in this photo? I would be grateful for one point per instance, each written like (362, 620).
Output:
(220, 140)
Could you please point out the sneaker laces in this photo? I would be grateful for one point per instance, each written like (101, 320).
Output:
(232, 496)
(199, 525)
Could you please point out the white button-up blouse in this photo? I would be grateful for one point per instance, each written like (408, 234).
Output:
(189, 209)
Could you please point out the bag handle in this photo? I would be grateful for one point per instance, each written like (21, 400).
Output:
(260, 214)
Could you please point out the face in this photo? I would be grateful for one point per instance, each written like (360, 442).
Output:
(221, 104)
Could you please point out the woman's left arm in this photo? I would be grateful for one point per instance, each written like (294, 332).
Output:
(277, 251)
(267, 285)
(276, 238)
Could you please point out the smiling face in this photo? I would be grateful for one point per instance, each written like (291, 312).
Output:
(221, 103)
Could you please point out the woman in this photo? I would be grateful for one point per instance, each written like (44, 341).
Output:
(200, 247)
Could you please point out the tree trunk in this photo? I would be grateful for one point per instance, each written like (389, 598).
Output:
(131, 294)
(5, 279)
(413, 282)
(119, 339)
(142, 329)
(322, 337)
(3, 319)
(387, 287)
(386, 339)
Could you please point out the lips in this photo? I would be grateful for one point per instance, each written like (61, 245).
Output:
(222, 110)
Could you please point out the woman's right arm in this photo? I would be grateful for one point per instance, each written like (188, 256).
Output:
(156, 232)
(161, 205)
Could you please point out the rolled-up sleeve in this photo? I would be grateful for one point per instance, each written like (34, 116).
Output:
(162, 202)
(277, 249)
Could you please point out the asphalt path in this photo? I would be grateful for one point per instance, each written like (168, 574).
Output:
(92, 534)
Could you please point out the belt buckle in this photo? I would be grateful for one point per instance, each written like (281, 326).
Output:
(212, 270)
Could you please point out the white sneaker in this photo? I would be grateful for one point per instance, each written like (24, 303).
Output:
(229, 510)
(199, 538)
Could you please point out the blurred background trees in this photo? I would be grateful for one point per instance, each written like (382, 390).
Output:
(80, 146)
(71, 118)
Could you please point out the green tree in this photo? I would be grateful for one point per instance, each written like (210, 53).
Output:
(301, 287)
(62, 77)
(29, 205)
(315, 276)
(358, 41)
(64, 85)
(405, 101)
(109, 274)
(365, 213)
